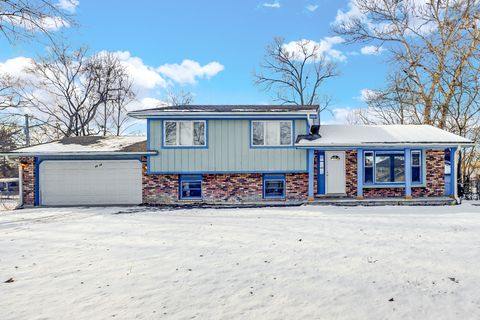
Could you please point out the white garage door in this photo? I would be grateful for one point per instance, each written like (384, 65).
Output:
(90, 182)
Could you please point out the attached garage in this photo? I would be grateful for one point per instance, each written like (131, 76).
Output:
(79, 171)
(90, 182)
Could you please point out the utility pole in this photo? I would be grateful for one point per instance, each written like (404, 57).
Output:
(27, 131)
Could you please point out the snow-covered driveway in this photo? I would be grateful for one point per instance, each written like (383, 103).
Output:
(270, 263)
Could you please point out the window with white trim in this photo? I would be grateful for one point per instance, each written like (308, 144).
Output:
(184, 133)
(272, 133)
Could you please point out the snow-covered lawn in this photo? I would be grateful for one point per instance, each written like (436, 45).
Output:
(269, 263)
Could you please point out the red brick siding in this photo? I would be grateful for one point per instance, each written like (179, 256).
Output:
(351, 172)
(435, 181)
(232, 188)
(219, 188)
(28, 180)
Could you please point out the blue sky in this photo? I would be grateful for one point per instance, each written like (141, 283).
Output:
(224, 40)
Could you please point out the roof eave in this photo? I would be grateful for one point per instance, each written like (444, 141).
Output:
(389, 144)
(158, 114)
(84, 153)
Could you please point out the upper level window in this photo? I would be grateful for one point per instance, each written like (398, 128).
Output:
(185, 133)
(272, 133)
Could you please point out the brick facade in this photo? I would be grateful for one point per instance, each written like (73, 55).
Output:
(219, 188)
(435, 180)
(28, 180)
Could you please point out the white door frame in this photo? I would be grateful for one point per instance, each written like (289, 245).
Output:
(335, 182)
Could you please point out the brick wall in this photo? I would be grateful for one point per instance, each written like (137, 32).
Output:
(28, 180)
(435, 181)
(219, 188)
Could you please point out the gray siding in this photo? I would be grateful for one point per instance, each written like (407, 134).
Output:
(228, 151)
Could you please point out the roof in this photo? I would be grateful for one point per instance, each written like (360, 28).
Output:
(381, 135)
(90, 145)
(225, 109)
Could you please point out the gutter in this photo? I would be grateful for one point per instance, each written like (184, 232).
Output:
(387, 144)
(39, 154)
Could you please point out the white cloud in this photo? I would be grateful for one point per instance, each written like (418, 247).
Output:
(416, 10)
(367, 94)
(372, 50)
(145, 77)
(325, 47)
(189, 71)
(68, 5)
(274, 4)
(149, 81)
(312, 7)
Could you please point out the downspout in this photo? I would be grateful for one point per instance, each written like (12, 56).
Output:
(456, 160)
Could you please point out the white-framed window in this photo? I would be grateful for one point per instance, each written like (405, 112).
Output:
(275, 133)
(191, 133)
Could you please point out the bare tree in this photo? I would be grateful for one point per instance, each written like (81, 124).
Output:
(23, 19)
(179, 98)
(69, 87)
(119, 103)
(434, 59)
(295, 74)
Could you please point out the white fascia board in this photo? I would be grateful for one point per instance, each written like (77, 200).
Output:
(389, 145)
(145, 115)
(93, 153)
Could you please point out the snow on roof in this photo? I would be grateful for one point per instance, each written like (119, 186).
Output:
(88, 145)
(208, 109)
(358, 135)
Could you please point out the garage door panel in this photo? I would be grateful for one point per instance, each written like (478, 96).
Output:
(88, 182)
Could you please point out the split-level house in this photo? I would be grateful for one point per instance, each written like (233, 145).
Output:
(255, 154)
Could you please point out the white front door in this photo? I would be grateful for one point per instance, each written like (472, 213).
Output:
(335, 171)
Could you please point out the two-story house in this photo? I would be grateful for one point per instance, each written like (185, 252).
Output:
(254, 154)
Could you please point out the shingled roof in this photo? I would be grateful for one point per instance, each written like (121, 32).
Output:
(228, 109)
(88, 145)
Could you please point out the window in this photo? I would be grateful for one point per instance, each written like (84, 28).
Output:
(416, 167)
(271, 133)
(190, 187)
(368, 176)
(389, 167)
(382, 167)
(185, 133)
(274, 186)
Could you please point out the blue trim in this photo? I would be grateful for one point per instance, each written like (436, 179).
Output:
(373, 148)
(271, 147)
(148, 144)
(39, 161)
(195, 178)
(320, 175)
(408, 171)
(232, 117)
(226, 172)
(453, 171)
(37, 182)
(311, 172)
(278, 177)
(164, 146)
(391, 184)
(360, 171)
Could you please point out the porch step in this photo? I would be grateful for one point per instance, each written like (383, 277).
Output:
(344, 201)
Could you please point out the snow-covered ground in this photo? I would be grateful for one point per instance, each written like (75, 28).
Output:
(269, 263)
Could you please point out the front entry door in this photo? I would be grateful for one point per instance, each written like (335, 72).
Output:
(335, 172)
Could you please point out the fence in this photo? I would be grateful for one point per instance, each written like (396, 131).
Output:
(470, 189)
